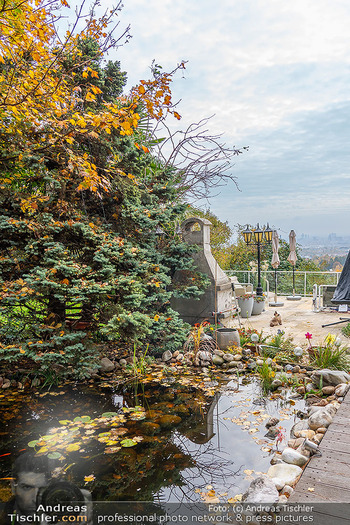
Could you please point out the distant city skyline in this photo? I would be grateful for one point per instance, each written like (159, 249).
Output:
(276, 75)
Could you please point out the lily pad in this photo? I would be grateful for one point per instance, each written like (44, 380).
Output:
(128, 443)
(109, 414)
(54, 455)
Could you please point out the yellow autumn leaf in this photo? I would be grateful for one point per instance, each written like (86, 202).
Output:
(90, 97)
(73, 447)
(156, 318)
(87, 479)
(43, 450)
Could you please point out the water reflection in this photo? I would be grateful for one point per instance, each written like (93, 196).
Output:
(189, 442)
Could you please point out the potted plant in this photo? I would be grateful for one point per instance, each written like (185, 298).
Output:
(246, 303)
(258, 305)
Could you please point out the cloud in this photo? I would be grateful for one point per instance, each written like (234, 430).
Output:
(276, 75)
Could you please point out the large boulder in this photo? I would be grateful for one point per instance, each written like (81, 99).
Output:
(328, 377)
(289, 455)
(321, 418)
(261, 490)
(106, 365)
(331, 409)
(284, 474)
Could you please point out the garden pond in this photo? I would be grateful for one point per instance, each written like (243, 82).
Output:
(168, 439)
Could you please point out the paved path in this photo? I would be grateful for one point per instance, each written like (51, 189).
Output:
(297, 319)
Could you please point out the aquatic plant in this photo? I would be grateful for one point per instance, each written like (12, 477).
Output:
(281, 341)
(74, 435)
(140, 362)
(267, 376)
(330, 354)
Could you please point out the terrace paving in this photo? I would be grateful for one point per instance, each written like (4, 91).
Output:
(297, 319)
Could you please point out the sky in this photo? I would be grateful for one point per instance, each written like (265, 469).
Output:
(276, 77)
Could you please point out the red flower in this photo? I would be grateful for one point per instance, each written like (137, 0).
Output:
(308, 335)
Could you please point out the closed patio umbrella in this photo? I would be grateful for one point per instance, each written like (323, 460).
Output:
(275, 262)
(292, 259)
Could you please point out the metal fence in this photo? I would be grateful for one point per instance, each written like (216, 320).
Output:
(304, 281)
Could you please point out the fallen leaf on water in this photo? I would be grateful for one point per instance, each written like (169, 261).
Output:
(235, 499)
(87, 479)
(111, 450)
(73, 447)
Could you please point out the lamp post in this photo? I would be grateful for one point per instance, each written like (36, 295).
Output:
(258, 237)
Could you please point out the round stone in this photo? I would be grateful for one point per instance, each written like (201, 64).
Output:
(217, 360)
(328, 390)
(167, 356)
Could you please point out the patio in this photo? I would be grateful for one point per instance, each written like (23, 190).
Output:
(298, 318)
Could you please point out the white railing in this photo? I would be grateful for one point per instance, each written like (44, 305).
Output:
(304, 280)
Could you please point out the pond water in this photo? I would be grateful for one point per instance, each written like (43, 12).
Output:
(187, 444)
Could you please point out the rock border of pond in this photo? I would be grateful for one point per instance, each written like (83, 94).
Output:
(288, 464)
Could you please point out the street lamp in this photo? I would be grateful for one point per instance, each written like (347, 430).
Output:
(258, 237)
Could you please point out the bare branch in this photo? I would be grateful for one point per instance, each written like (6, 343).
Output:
(201, 160)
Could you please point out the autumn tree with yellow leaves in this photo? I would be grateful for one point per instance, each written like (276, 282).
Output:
(81, 196)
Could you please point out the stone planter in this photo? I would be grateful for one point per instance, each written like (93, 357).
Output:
(227, 337)
(258, 307)
(246, 306)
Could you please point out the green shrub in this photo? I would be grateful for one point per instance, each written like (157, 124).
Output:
(346, 330)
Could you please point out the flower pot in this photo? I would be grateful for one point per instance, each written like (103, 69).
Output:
(227, 337)
(258, 307)
(246, 305)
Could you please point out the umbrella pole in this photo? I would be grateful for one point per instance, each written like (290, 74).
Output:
(275, 285)
(293, 279)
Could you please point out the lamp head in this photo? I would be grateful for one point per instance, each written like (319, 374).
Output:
(247, 235)
(258, 234)
(268, 233)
